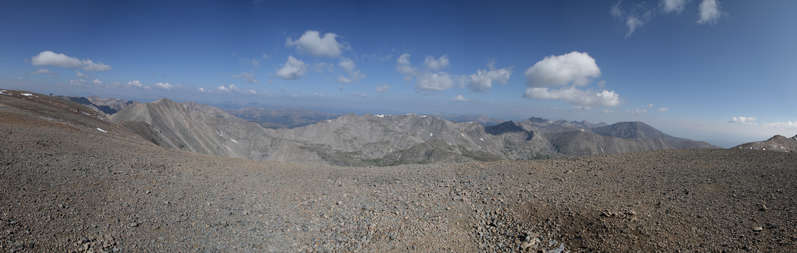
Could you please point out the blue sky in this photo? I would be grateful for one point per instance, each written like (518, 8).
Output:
(721, 71)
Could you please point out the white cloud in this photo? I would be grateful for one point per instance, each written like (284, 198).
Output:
(434, 81)
(632, 23)
(784, 124)
(403, 59)
(575, 96)
(292, 69)
(743, 120)
(91, 66)
(709, 12)
(382, 88)
(202, 90)
(50, 58)
(483, 80)
(664, 109)
(42, 71)
(251, 91)
(460, 98)
(633, 19)
(135, 83)
(350, 68)
(77, 82)
(165, 86)
(673, 6)
(228, 88)
(96, 81)
(248, 76)
(80, 74)
(616, 11)
(255, 63)
(343, 79)
(574, 68)
(404, 67)
(313, 43)
(436, 64)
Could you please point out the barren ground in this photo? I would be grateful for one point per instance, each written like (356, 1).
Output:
(69, 187)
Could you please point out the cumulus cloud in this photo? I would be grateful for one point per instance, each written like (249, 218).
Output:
(382, 88)
(673, 6)
(434, 81)
(404, 67)
(483, 80)
(664, 109)
(202, 90)
(436, 64)
(50, 58)
(313, 43)
(743, 120)
(574, 68)
(228, 88)
(709, 12)
(425, 80)
(249, 77)
(351, 70)
(251, 91)
(575, 96)
(292, 69)
(165, 86)
(80, 74)
(135, 83)
(96, 81)
(460, 98)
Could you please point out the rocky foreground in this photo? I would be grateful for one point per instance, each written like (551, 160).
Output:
(67, 186)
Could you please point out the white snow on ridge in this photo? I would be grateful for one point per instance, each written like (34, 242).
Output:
(26, 94)
(3, 92)
(379, 115)
(101, 130)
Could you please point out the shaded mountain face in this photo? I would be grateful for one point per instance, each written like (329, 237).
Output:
(776, 143)
(106, 105)
(384, 139)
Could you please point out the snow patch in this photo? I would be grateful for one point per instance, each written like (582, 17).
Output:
(101, 130)
(233, 140)
(481, 139)
(379, 115)
(431, 134)
(3, 92)
(26, 94)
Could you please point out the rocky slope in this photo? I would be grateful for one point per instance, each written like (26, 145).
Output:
(386, 139)
(776, 143)
(66, 186)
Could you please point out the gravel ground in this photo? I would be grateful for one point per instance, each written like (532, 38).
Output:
(69, 187)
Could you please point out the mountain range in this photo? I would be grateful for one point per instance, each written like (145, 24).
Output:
(776, 143)
(377, 139)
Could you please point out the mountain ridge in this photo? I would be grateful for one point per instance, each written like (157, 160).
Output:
(377, 139)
